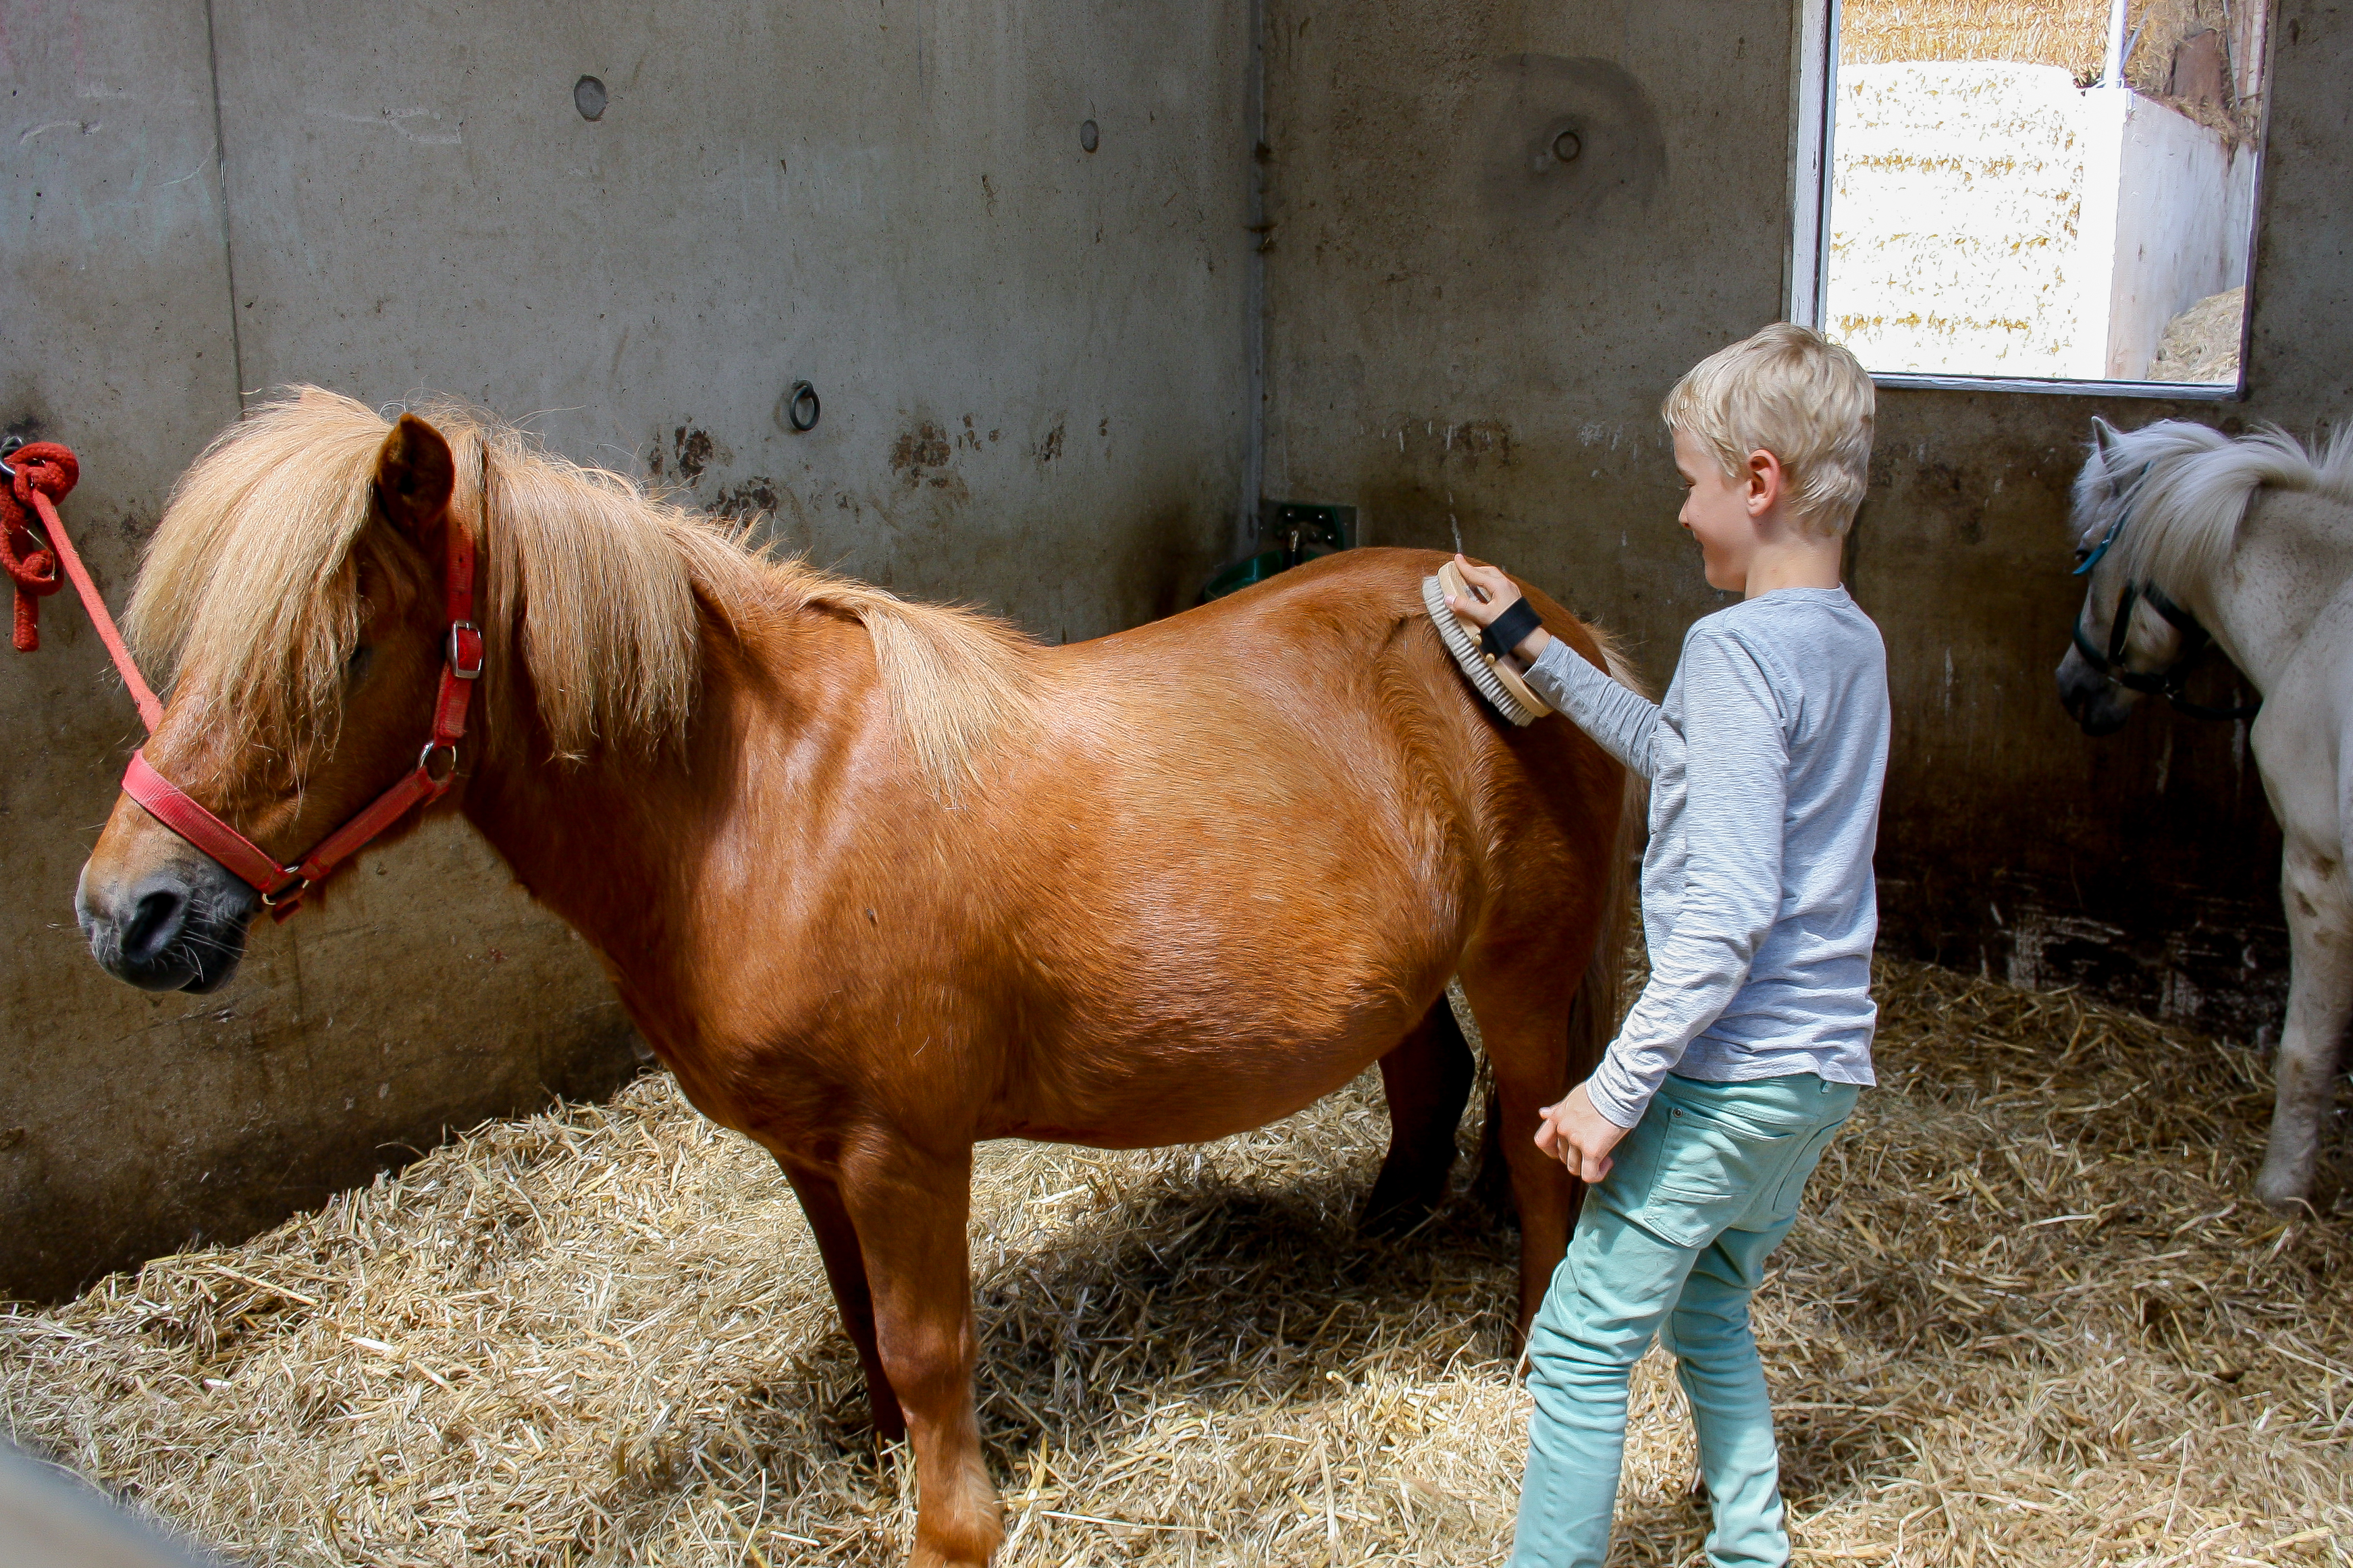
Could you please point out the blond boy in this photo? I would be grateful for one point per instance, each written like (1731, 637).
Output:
(1743, 1055)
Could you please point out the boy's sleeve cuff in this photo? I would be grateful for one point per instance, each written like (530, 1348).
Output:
(1615, 1108)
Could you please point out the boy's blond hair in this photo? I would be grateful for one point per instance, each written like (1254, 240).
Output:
(1791, 392)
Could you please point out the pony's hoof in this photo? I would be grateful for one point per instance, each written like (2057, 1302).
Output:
(1393, 1221)
(933, 1557)
(2283, 1193)
(966, 1543)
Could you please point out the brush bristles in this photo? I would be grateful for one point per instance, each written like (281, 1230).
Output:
(1469, 659)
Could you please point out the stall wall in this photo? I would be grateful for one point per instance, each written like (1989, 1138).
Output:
(1469, 338)
(1029, 357)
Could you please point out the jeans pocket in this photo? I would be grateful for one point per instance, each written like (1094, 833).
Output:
(1706, 1174)
(1791, 1188)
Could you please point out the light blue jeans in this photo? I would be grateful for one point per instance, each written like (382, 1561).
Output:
(1672, 1243)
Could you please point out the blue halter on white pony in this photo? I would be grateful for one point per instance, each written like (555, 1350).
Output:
(2252, 536)
(2168, 682)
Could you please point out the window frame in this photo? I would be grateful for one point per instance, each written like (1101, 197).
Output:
(1813, 171)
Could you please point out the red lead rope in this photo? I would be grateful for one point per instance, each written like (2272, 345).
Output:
(44, 471)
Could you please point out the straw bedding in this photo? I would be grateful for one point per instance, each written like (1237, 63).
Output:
(2031, 1317)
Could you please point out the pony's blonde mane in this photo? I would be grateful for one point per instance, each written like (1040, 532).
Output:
(2188, 486)
(250, 600)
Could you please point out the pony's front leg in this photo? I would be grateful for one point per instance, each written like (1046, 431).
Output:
(2319, 998)
(909, 1208)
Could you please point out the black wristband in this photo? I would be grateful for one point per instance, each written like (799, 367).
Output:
(1510, 629)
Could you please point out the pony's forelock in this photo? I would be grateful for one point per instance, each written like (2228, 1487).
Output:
(250, 598)
(248, 594)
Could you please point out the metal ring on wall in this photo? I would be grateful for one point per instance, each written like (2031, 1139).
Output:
(803, 397)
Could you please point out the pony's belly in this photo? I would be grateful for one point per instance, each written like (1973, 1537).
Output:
(1188, 1103)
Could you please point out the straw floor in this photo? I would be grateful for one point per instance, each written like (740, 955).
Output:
(2031, 1317)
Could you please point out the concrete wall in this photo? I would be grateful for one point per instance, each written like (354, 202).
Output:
(1031, 358)
(1462, 339)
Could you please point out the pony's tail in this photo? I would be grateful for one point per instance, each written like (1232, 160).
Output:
(1600, 998)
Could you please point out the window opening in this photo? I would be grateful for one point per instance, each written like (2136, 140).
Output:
(2037, 190)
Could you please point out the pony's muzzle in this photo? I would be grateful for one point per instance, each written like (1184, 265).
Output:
(2097, 704)
(179, 927)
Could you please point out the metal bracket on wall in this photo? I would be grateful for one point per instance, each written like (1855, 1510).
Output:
(1300, 526)
(1290, 532)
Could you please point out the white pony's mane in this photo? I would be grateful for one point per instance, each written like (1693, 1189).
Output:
(2188, 487)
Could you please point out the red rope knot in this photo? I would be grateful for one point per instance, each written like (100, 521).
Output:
(45, 471)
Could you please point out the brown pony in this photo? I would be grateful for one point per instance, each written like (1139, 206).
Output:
(879, 880)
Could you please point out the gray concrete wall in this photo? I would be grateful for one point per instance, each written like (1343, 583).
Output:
(1464, 337)
(1031, 358)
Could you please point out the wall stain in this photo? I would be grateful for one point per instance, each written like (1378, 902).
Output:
(1048, 446)
(1475, 441)
(755, 496)
(691, 452)
(694, 451)
(921, 458)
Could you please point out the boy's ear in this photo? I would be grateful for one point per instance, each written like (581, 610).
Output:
(415, 476)
(1768, 482)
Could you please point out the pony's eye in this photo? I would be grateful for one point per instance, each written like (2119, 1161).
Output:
(355, 668)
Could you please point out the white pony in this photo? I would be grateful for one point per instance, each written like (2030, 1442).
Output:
(2183, 532)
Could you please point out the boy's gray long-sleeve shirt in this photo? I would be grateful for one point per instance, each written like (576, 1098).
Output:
(1765, 764)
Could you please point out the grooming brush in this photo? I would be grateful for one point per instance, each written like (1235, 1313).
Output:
(1501, 685)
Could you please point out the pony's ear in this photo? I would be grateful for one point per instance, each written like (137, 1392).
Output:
(2104, 436)
(414, 477)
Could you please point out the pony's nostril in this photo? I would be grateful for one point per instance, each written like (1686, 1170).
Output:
(155, 922)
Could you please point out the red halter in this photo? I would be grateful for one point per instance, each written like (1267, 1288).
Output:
(44, 473)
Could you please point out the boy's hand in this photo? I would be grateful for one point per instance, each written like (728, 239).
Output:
(1501, 595)
(1579, 1136)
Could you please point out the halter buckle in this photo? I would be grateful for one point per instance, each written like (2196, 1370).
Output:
(287, 896)
(465, 650)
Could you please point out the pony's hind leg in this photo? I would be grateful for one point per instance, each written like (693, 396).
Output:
(1427, 1079)
(1588, 1032)
(1523, 1016)
(2319, 999)
(845, 1270)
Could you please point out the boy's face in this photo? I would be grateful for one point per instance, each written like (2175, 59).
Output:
(1723, 513)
